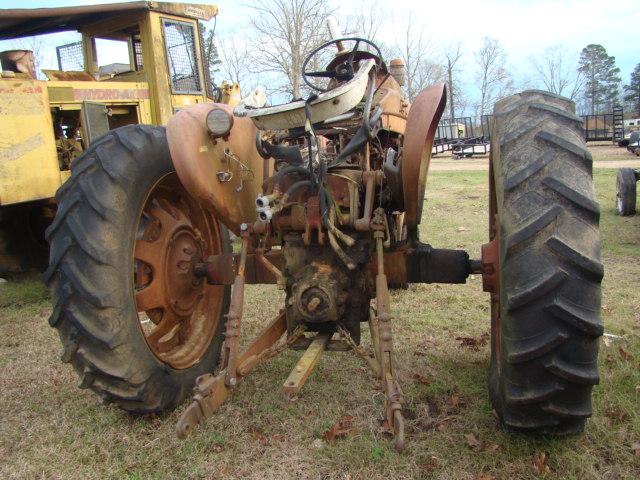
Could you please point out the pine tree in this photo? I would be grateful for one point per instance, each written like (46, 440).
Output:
(602, 78)
(632, 91)
(210, 56)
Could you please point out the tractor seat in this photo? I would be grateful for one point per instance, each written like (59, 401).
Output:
(328, 105)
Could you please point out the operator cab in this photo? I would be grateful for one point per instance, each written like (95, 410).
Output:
(136, 62)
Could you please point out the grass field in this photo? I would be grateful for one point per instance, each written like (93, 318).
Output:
(51, 429)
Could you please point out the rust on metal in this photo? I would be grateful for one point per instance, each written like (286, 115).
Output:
(225, 174)
(384, 338)
(422, 124)
(231, 343)
(62, 76)
(314, 222)
(370, 179)
(219, 269)
(305, 366)
(211, 391)
(275, 271)
(182, 311)
(359, 350)
(491, 252)
(490, 260)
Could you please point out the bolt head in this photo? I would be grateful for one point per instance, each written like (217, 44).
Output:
(244, 226)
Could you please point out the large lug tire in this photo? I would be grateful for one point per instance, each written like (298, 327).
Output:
(134, 322)
(546, 321)
(626, 191)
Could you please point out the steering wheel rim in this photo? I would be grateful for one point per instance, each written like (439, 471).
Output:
(329, 74)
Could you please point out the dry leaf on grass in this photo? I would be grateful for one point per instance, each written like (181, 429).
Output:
(473, 342)
(421, 379)
(473, 441)
(431, 464)
(441, 426)
(477, 445)
(614, 412)
(340, 429)
(626, 356)
(540, 463)
(418, 353)
(257, 435)
(428, 342)
(483, 476)
(635, 448)
(454, 401)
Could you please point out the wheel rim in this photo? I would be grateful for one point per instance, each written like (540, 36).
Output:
(618, 195)
(494, 236)
(178, 312)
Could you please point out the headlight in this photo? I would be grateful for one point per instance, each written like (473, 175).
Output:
(219, 122)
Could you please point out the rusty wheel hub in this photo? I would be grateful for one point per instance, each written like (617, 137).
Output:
(174, 234)
(184, 290)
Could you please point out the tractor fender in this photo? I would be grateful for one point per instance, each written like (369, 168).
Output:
(224, 173)
(422, 124)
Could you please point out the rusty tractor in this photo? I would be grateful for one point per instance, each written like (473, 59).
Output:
(325, 196)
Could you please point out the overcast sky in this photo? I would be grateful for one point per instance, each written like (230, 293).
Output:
(524, 27)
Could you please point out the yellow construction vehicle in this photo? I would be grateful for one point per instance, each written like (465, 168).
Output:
(46, 124)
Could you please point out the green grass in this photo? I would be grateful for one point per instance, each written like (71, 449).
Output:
(22, 290)
(50, 429)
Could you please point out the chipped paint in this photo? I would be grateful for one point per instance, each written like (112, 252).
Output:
(18, 98)
(15, 151)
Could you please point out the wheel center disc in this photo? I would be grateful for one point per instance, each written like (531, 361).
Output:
(183, 289)
(181, 311)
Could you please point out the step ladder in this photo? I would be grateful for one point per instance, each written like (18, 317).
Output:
(618, 124)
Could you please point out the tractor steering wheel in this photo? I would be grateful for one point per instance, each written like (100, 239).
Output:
(343, 71)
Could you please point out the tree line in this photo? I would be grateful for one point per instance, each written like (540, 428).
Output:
(282, 33)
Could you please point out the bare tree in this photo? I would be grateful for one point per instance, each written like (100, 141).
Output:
(286, 32)
(558, 73)
(367, 20)
(455, 96)
(235, 62)
(493, 79)
(415, 50)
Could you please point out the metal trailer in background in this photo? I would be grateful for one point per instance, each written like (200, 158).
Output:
(460, 137)
(605, 127)
(475, 145)
(450, 133)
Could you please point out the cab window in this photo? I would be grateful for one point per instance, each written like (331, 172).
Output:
(182, 56)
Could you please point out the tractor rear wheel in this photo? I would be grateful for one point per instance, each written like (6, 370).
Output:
(546, 249)
(135, 323)
(626, 191)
